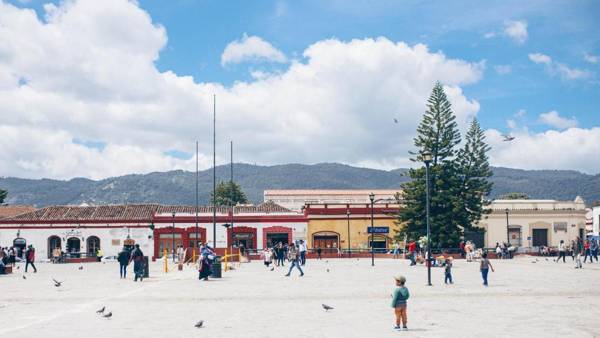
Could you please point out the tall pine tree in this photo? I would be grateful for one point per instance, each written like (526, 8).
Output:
(473, 171)
(437, 134)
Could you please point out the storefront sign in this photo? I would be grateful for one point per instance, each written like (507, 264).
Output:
(378, 230)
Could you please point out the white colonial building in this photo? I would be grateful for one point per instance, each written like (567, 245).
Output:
(80, 231)
(534, 223)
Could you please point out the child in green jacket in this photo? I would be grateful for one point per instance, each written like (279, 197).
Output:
(399, 298)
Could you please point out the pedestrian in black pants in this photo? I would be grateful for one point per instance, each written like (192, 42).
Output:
(30, 258)
(123, 258)
(319, 251)
(561, 251)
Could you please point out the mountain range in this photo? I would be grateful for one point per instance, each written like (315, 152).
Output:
(178, 186)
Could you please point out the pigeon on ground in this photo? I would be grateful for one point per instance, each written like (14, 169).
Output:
(24, 277)
(199, 324)
(18, 267)
(57, 283)
(273, 268)
(326, 307)
(533, 262)
(326, 261)
(108, 315)
(80, 268)
(395, 120)
(546, 258)
(327, 270)
(101, 310)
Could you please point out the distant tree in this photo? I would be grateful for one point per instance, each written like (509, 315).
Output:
(514, 196)
(438, 134)
(3, 194)
(473, 172)
(229, 193)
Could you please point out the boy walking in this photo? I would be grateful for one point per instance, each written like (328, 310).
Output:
(294, 257)
(485, 267)
(448, 271)
(399, 298)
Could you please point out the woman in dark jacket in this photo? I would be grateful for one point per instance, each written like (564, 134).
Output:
(123, 258)
(204, 268)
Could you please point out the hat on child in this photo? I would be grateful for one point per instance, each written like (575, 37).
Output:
(400, 278)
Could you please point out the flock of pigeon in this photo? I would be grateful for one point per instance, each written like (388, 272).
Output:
(199, 324)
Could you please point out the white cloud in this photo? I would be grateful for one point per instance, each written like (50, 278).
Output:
(512, 124)
(516, 30)
(540, 58)
(520, 113)
(489, 35)
(553, 119)
(251, 48)
(87, 73)
(503, 69)
(559, 69)
(552, 149)
(591, 58)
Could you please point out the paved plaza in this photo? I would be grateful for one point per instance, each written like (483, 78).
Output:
(524, 299)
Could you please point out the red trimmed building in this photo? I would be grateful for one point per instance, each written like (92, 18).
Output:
(83, 230)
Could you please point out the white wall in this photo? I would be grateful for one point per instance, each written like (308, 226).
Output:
(596, 224)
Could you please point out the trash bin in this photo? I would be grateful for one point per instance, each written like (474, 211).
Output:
(146, 267)
(216, 267)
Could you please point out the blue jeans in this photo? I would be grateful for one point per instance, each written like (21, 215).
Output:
(123, 270)
(303, 257)
(448, 277)
(484, 274)
(295, 263)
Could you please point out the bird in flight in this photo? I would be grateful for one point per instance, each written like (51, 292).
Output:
(24, 277)
(199, 324)
(57, 283)
(101, 310)
(108, 315)
(508, 138)
(327, 307)
(395, 120)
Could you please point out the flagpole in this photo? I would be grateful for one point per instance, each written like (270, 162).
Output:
(214, 171)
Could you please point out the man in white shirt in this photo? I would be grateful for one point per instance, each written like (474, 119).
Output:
(302, 249)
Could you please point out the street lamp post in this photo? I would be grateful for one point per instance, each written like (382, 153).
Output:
(348, 218)
(507, 227)
(173, 234)
(372, 198)
(427, 159)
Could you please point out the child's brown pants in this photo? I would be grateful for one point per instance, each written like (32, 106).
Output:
(400, 315)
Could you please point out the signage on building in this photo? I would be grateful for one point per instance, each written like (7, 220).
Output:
(560, 226)
(73, 233)
(378, 230)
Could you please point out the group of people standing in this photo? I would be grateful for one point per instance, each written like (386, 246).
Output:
(296, 255)
(579, 247)
(8, 256)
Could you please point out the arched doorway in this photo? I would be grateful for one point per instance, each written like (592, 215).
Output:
(328, 241)
(19, 244)
(93, 245)
(73, 247)
(54, 243)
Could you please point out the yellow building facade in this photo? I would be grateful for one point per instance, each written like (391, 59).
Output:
(346, 226)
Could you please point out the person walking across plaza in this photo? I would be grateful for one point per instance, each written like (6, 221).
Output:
(267, 257)
(399, 298)
(562, 251)
(280, 254)
(123, 258)
(594, 248)
(577, 249)
(137, 256)
(205, 267)
(30, 258)
(294, 258)
(587, 251)
(302, 249)
(485, 267)
(448, 271)
(412, 250)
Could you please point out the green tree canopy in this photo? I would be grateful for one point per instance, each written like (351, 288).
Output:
(458, 178)
(3, 194)
(229, 193)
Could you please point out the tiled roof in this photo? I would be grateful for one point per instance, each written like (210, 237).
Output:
(128, 212)
(89, 213)
(13, 210)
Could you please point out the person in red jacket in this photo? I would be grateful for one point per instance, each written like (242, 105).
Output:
(412, 250)
(30, 258)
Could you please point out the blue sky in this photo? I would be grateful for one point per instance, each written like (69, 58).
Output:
(531, 69)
